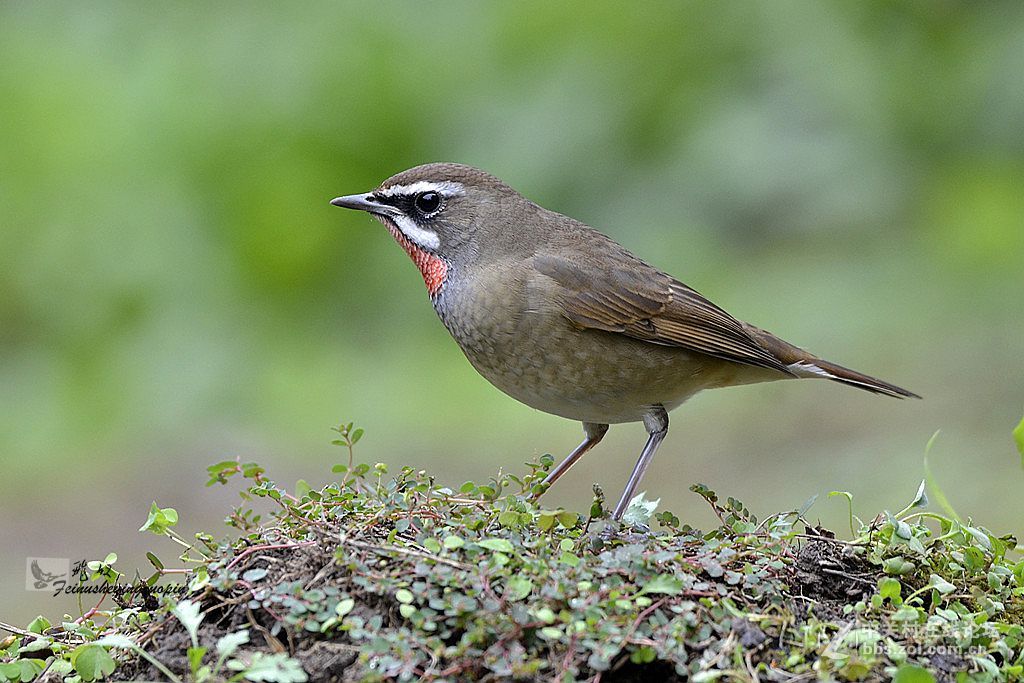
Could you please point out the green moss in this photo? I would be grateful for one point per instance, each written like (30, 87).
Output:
(398, 578)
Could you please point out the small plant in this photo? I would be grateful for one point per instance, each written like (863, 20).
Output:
(380, 577)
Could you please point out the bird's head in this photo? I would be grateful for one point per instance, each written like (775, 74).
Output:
(446, 214)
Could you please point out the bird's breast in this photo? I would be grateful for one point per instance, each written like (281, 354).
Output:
(518, 340)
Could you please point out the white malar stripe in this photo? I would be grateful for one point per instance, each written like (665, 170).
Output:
(446, 188)
(421, 237)
(804, 369)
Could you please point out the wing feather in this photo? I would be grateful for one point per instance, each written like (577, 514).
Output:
(639, 301)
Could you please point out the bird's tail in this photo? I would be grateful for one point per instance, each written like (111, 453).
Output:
(803, 364)
(837, 373)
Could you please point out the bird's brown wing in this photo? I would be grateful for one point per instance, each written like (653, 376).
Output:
(630, 297)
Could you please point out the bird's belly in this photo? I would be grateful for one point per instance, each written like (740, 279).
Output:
(579, 384)
(541, 360)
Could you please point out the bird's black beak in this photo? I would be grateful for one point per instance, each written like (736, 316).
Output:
(360, 202)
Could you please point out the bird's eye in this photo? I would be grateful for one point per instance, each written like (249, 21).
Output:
(428, 202)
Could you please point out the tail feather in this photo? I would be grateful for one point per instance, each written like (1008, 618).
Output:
(837, 373)
(804, 364)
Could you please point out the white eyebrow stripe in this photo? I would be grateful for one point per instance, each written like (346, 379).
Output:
(446, 187)
(426, 239)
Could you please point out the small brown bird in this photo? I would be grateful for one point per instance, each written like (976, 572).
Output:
(566, 320)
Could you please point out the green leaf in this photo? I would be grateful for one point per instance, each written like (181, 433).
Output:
(497, 544)
(116, 640)
(644, 655)
(941, 585)
(160, 519)
(255, 574)
(61, 667)
(974, 558)
(907, 613)
(568, 519)
(980, 536)
(900, 529)
(92, 662)
(890, 589)
(38, 625)
(639, 510)
(712, 566)
(517, 587)
(22, 670)
(453, 542)
(155, 561)
(31, 668)
(897, 566)
(226, 645)
(302, 489)
(404, 596)
(509, 518)
(569, 558)
(921, 499)
(195, 658)
(36, 645)
(270, 668)
(187, 612)
(546, 614)
(861, 636)
(407, 610)
(663, 583)
(345, 606)
(909, 673)
(221, 471)
(10, 671)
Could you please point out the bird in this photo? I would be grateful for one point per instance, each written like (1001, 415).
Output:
(42, 578)
(566, 320)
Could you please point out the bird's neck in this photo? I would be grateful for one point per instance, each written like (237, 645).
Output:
(433, 268)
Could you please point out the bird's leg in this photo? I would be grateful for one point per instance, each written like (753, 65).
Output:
(594, 433)
(656, 423)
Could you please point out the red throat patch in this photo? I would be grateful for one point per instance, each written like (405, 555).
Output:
(433, 268)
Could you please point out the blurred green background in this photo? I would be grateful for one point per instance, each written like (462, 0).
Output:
(175, 289)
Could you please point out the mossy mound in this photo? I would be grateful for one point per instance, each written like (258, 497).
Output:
(381, 578)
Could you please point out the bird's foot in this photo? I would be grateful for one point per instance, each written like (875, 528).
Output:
(612, 530)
